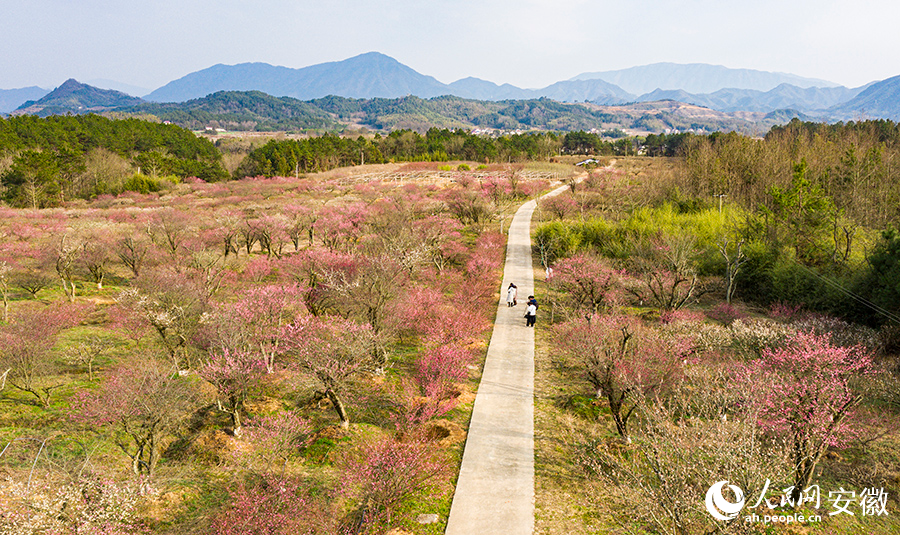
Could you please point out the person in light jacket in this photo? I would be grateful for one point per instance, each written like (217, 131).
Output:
(511, 295)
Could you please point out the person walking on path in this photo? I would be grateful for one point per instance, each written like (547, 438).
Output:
(511, 295)
(531, 313)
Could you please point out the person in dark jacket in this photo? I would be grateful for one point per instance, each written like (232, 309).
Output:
(531, 311)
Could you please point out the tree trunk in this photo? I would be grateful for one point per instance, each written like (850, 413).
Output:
(69, 289)
(268, 357)
(154, 454)
(236, 422)
(339, 408)
(621, 420)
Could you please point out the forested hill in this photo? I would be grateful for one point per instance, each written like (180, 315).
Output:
(75, 97)
(54, 159)
(242, 110)
(256, 111)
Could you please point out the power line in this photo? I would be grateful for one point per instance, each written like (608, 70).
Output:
(850, 294)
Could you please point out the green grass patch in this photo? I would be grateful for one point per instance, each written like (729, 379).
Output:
(587, 407)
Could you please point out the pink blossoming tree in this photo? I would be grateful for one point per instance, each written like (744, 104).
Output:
(142, 403)
(233, 373)
(806, 395)
(332, 350)
(383, 474)
(623, 361)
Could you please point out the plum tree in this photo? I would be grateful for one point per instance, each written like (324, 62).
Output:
(233, 373)
(143, 401)
(25, 349)
(332, 350)
(622, 360)
(808, 396)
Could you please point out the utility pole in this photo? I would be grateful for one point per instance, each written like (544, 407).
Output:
(720, 200)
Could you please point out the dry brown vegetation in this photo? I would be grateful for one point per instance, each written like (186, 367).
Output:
(698, 430)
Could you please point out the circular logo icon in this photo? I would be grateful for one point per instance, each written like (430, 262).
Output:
(718, 506)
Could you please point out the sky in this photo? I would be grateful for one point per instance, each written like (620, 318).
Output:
(527, 43)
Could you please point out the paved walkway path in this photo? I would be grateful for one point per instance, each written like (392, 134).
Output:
(495, 490)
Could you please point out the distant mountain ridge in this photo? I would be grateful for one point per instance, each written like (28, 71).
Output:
(10, 99)
(73, 96)
(374, 75)
(880, 100)
(365, 76)
(597, 91)
(785, 96)
(698, 78)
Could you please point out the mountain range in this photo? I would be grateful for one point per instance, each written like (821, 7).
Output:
(258, 111)
(698, 78)
(374, 75)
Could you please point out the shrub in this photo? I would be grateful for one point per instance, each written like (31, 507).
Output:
(667, 317)
(785, 312)
(275, 506)
(141, 184)
(556, 240)
(752, 336)
(604, 237)
(707, 337)
(725, 313)
(838, 331)
(87, 505)
(754, 280)
(793, 282)
(383, 474)
(277, 437)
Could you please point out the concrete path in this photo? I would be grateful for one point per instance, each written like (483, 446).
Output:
(495, 490)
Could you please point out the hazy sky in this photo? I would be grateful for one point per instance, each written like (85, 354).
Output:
(528, 43)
